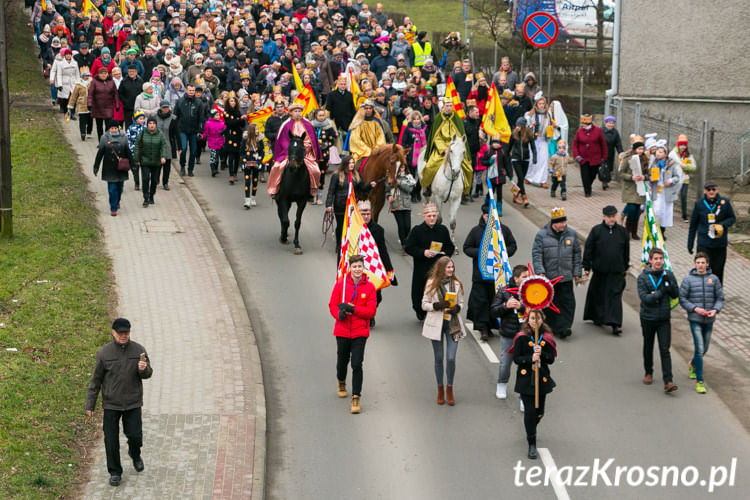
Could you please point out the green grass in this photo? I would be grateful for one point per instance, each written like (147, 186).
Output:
(55, 295)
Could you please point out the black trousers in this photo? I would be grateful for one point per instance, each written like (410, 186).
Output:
(521, 168)
(561, 183)
(167, 168)
(532, 416)
(251, 181)
(353, 349)
(133, 428)
(150, 180)
(403, 222)
(85, 123)
(663, 331)
(233, 158)
(339, 229)
(100, 122)
(588, 176)
(128, 117)
(717, 257)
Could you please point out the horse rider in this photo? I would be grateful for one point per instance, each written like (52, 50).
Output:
(366, 132)
(447, 124)
(298, 126)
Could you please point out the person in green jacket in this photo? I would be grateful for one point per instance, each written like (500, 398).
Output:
(150, 154)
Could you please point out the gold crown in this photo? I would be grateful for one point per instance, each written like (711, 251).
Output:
(557, 213)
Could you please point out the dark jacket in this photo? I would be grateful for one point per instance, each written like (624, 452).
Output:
(701, 290)
(474, 241)
(614, 145)
(655, 299)
(341, 107)
(102, 98)
(607, 249)
(521, 151)
(556, 254)
(235, 123)
(128, 91)
(378, 234)
(338, 191)
(522, 353)
(190, 115)
(471, 127)
(510, 319)
(150, 148)
(107, 159)
(167, 123)
(272, 126)
(724, 213)
(116, 374)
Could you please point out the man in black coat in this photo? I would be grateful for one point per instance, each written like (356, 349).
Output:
(483, 291)
(84, 57)
(378, 234)
(426, 243)
(340, 104)
(130, 87)
(607, 253)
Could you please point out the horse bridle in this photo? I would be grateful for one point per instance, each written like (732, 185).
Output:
(452, 176)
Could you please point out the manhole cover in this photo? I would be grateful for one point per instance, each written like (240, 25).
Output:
(161, 226)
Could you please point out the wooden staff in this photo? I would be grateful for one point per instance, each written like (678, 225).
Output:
(536, 370)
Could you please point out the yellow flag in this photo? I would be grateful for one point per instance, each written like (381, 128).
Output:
(307, 98)
(354, 89)
(123, 8)
(494, 120)
(142, 4)
(297, 79)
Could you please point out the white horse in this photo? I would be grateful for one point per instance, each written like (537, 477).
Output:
(448, 184)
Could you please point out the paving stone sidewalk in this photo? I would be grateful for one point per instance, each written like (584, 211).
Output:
(584, 213)
(204, 409)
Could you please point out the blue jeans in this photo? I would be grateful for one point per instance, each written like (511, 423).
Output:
(506, 360)
(701, 339)
(437, 349)
(185, 141)
(115, 193)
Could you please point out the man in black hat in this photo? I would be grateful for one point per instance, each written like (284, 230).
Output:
(121, 366)
(711, 218)
(84, 57)
(607, 253)
(130, 87)
(483, 291)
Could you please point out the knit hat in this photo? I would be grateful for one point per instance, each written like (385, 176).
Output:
(610, 118)
(557, 214)
(151, 119)
(138, 114)
(682, 139)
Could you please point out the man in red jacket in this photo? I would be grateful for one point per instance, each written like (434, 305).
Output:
(590, 151)
(353, 304)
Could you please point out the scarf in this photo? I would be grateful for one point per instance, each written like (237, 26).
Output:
(321, 125)
(147, 96)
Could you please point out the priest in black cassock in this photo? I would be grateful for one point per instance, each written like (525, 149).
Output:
(426, 242)
(607, 254)
(483, 291)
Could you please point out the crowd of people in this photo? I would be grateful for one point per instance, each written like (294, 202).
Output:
(167, 82)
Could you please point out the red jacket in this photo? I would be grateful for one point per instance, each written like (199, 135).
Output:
(363, 297)
(590, 145)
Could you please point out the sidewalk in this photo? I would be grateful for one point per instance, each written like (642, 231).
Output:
(204, 408)
(584, 213)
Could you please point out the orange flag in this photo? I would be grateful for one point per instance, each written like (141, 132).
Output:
(450, 91)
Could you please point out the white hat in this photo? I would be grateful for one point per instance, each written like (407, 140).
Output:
(538, 96)
(650, 143)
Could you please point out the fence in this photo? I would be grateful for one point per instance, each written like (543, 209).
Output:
(717, 152)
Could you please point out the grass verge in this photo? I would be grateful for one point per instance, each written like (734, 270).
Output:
(55, 294)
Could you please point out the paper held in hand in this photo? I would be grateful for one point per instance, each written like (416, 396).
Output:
(436, 246)
(450, 297)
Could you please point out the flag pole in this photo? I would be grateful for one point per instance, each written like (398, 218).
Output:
(343, 256)
(536, 370)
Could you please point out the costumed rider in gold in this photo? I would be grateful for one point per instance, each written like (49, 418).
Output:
(447, 124)
(366, 132)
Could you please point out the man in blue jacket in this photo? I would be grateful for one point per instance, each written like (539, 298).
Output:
(711, 218)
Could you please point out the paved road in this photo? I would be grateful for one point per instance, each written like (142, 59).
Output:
(405, 446)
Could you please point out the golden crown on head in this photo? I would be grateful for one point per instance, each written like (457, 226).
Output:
(557, 213)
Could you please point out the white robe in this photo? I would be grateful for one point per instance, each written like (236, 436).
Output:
(537, 173)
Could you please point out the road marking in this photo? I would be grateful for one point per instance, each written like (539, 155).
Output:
(484, 346)
(551, 472)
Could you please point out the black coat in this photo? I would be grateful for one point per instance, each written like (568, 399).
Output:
(338, 192)
(272, 126)
(378, 234)
(510, 322)
(471, 127)
(655, 300)
(341, 107)
(522, 353)
(235, 123)
(614, 145)
(128, 91)
(190, 115)
(607, 250)
(107, 159)
(419, 240)
(474, 241)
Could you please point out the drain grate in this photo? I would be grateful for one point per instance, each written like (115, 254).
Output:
(161, 226)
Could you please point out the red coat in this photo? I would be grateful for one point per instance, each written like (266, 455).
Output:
(590, 145)
(363, 297)
(98, 64)
(103, 98)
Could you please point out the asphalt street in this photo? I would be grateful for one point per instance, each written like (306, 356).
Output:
(404, 446)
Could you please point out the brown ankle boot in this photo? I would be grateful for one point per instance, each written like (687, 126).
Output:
(355, 405)
(632, 228)
(342, 389)
(517, 199)
(441, 396)
(525, 200)
(449, 395)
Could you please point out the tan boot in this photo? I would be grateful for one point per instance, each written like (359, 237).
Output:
(355, 404)
(525, 200)
(342, 389)
(517, 199)
(449, 395)
(441, 395)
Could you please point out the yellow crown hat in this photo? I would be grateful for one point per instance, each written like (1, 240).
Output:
(557, 214)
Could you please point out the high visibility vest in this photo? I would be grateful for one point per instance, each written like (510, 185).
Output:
(419, 54)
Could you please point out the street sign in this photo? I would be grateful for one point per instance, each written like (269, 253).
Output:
(540, 29)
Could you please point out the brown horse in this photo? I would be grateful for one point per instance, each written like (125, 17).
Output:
(382, 166)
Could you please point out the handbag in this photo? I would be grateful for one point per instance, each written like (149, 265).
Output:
(123, 164)
(395, 203)
(604, 174)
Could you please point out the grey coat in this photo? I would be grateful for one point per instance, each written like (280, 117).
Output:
(673, 172)
(557, 254)
(402, 192)
(704, 291)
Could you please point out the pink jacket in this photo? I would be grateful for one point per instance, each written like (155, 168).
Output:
(212, 133)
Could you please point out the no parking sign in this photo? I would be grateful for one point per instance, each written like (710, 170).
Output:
(540, 29)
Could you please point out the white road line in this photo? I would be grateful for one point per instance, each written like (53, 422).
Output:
(484, 346)
(551, 472)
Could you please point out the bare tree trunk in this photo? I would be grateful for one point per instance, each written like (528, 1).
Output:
(600, 38)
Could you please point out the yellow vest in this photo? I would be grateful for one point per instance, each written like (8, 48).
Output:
(419, 54)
